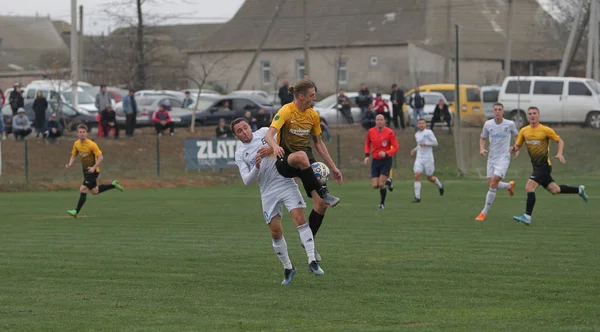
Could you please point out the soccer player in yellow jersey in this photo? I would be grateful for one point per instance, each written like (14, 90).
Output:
(295, 125)
(91, 157)
(537, 138)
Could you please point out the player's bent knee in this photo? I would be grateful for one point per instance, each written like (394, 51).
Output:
(299, 159)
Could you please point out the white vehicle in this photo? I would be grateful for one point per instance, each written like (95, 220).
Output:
(431, 100)
(204, 92)
(327, 108)
(55, 90)
(560, 99)
(489, 96)
(251, 92)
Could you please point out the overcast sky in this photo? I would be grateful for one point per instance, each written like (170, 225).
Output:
(97, 21)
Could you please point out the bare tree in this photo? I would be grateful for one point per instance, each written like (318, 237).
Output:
(205, 66)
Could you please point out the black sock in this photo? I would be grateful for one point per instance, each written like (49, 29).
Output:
(383, 193)
(310, 181)
(105, 187)
(82, 198)
(314, 221)
(530, 203)
(564, 189)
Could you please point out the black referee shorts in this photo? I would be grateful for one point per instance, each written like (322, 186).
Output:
(381, 167)
(542, 175)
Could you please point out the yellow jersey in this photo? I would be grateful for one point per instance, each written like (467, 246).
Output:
(538, 143)
(87, 150)
(296, 128)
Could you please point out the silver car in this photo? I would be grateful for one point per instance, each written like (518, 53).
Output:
(329, 109)
(148, 105)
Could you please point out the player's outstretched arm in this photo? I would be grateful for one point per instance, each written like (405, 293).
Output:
(270, 139)
(245, 172)
(324, 153)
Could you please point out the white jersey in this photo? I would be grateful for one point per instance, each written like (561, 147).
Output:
(499, 136)
(268, 178)
(425, 153)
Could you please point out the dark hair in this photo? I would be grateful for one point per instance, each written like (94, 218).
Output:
(499, 104)
(131, 90)
(82, 126)
(102, 86)
(421, 120)
(236, 122)
(394, 85)
(187, 92)
(301, 87)
(378, 94)
(534, 108)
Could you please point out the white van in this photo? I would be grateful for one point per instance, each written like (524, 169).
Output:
(560, 99)
(62, 90)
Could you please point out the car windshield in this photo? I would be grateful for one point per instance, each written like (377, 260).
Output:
(594, 86)
(490, 96)
(432, 99)
(327, 102)
(203, 104)
(145, 101)
(82, 97)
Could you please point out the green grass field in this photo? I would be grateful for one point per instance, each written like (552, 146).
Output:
(200, 259)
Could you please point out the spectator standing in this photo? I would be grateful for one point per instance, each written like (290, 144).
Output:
(344, 106)
(40, 105)
(187, 101)
(130, 110)
(21, 125)
(397, 98)
(364, 99)
(284, 94)
(103, 99)
(16, 100)
(417, 102)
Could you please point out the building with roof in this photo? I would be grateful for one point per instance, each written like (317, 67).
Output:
(377, 42)
(30, 48)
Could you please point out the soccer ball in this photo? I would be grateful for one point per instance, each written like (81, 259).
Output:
(321, 172)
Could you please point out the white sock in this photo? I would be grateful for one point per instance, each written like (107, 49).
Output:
(438, 183)
(418, 190)
(503, 185)
(280, 247)
(489, 200)
(308, 241)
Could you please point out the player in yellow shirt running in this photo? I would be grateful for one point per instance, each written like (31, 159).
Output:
(91, 157)
(537, 138)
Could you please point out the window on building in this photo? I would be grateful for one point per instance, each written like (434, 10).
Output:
(342, 72)
(300, 69)
(265, 72)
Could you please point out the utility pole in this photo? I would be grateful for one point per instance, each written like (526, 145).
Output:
(457, 110)
(448, 41)
(306, 38)
(74, 61)
(596, 68)
(80, 55)
(574, 40)
(260, 46)
(592, 37)
(508, 54)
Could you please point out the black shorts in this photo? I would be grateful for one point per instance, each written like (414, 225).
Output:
(287, 171)
(381, 167)
(89, 179)
(542, 175)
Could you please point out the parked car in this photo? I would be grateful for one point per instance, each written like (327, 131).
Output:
(148, 105)
(327, 108)
(70, 118)
(237, 107)
(560, 99)
(431, 100)
(55, 90)
(274, 97)
(204, 92)
(258, 95)
(489, 96)
(470, 96)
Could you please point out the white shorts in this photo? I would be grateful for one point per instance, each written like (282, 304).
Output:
(273, 203)
(424, 166)
(497, 168)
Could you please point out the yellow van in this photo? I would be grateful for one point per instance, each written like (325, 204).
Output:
(470, 96)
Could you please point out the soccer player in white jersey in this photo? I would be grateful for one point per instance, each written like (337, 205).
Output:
(255, 160)
(424, 162)
(499, 132)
